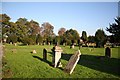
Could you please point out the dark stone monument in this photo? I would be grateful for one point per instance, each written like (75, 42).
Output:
(44, 54)
(108, 52)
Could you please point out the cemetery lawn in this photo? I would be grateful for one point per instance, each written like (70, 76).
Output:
(19, 62)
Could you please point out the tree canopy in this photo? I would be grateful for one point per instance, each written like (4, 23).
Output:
(100, 38)
(31, 32)
(114, 28)
(71, 36)
(84, 36)
(61, 31)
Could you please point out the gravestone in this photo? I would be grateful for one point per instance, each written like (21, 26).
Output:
(48, 43)
(108, 52)
(56, 56)
(15, 44)
(34, 52)
(72, 62)
(73, 46)
(44, 54)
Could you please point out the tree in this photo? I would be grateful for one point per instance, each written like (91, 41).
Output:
(61, 36)
(26, 28)
(84, 36)
(5, 24)
(39, 39)
(114, 28)
(22, 28)
(91, 39)
(56, 40)
(47, 31)
(61, 31)
(27, 40)
(12, 38)
(100, 38)
(71, 36)
(8, 29)
(34, 27)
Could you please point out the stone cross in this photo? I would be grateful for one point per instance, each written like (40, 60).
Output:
(72, 62)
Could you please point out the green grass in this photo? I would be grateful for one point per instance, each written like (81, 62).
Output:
(21, 63)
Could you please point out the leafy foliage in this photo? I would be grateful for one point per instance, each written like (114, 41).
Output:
(61, 31)
(84, 36)
(27, 41)
(12, 38)
(71, 36)
(100, 38)
(115, 30)
(39, 39)
(91, 39)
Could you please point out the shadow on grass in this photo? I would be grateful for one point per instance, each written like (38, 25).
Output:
(46, 61)
(50, 52)
(99, 63)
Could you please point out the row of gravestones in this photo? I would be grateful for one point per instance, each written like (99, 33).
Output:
(72, 61)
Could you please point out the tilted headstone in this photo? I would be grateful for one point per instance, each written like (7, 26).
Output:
(56, 56)
(108, 52)
(72, 62)
(44, 54)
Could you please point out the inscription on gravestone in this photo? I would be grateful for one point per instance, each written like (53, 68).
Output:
(72, 62)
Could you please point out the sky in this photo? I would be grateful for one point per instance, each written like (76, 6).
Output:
(81, 16)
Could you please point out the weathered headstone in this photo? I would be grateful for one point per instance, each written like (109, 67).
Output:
(72, 62)
(56, 56)
(34, 51)
(64, 44)
(48, 43)
(108, 52)
(15, 44)
(73, 46)
(44, 54)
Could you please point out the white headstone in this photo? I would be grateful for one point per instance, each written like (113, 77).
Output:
(57, 56)
(72, 62)
(73, 46)
(34, 51)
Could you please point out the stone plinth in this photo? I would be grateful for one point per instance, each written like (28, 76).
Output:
(56, 56)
